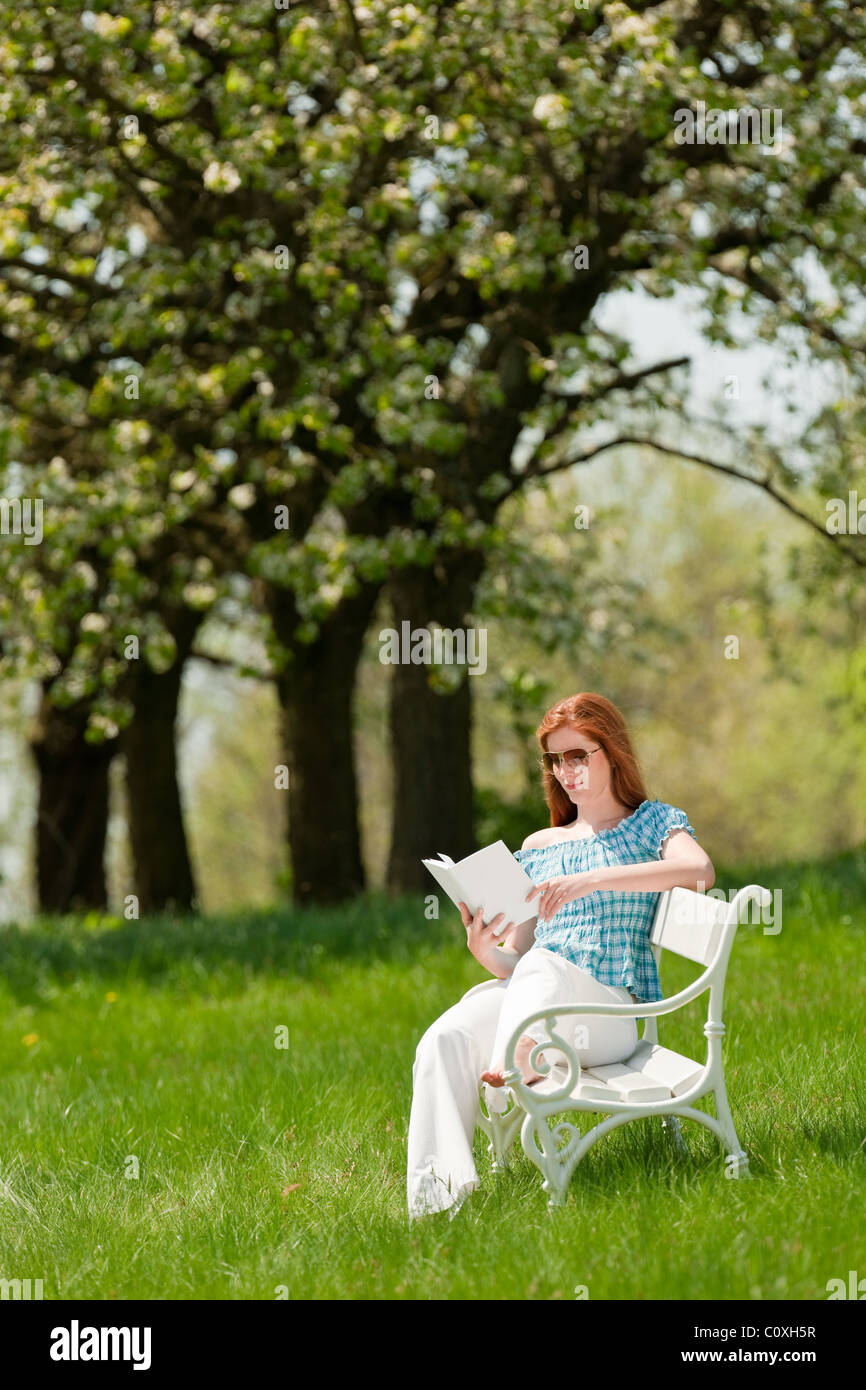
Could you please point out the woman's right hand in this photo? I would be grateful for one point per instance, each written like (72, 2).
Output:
(479, 935)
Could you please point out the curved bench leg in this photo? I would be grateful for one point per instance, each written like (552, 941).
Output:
(736, 1159)
(673, 1129)
(540, 1146)
(556, 1197)
(501, 1131)
(505, 1131)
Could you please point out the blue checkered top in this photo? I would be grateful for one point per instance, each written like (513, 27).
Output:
(605, 933)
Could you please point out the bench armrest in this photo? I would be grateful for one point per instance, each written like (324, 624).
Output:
(717, 966)
(660, 1006)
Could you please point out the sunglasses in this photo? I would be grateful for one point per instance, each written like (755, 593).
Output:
(573, 758)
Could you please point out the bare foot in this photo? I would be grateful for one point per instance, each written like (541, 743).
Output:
(495, 1076)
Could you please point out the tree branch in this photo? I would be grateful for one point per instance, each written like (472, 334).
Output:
(766, 483)
(246, 672)
(622, 380)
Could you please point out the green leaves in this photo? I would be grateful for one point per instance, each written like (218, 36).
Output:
(330, 256)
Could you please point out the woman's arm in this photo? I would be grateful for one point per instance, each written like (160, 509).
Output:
(499, 959)
(684, 864)
(517, 941)
(484, 946)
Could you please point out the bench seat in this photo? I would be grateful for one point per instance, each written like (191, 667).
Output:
(651, 1073)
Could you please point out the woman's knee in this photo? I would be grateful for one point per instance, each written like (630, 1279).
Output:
(448, 1036)
(472, 1019)
(538, 961)
(611, 1044)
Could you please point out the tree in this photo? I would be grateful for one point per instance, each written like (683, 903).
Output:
(553, 174)
(372, 246)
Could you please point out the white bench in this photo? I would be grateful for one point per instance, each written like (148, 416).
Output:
(654, 1080)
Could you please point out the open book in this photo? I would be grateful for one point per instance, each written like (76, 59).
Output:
(490, 878)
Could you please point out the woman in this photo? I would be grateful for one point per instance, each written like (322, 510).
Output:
(597, 869)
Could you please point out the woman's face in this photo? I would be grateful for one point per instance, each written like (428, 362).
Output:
(580, 779)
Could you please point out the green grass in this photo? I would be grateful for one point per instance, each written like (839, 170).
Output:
(261, 1167)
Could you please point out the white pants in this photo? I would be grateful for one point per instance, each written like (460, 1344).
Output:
(470, 1037)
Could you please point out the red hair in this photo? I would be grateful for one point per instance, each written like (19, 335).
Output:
(599, 719)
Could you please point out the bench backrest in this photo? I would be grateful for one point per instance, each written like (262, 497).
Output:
(689, 924)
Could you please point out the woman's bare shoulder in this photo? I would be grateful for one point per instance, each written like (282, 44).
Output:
(539, 838)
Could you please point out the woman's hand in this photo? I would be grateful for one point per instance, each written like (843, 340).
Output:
(556, 892)
(479, 935)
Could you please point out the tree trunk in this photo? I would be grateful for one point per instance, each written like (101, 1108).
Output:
(430, 731)
(163, 871)
(315, 692)
(72, 813)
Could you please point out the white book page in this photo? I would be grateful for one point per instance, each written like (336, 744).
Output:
(490, 878)
(444, 876)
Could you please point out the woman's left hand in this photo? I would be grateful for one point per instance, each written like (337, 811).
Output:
(555, 892)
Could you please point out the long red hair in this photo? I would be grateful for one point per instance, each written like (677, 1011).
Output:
(599, 719)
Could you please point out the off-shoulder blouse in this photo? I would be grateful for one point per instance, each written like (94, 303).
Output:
(607, 933)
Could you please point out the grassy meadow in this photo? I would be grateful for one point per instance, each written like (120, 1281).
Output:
(157, 1143)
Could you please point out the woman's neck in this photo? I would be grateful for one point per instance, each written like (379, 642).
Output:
(601, 815)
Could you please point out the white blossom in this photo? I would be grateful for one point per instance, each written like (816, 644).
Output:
(94, 622)
(242, 496)
(221, 178)
(551, 109)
